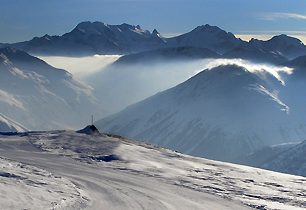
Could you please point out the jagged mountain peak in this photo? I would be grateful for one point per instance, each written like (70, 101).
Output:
(127, 27)
(90, 27)
(207, 27)
(101, 38)
(98, 27)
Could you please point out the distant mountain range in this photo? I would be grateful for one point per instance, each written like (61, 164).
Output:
(89, 38)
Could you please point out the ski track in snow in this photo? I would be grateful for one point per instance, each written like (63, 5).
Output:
(107, 172)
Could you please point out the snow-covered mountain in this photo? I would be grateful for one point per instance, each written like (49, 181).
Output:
(299, 62)
(135, 77)
(89, 38)
(296, 82)
(40, 96)
(221, 113)
(71, 170)
(8, 125)
(284, 45)
(206, 36)
(286, 158)
(291, 161)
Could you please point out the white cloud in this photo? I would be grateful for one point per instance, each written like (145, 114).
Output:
(248, 37)
(275, 71)
(169, 34)
(283, 15)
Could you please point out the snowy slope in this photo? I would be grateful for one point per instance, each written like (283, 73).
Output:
(292, 160)
(264, 155)
(298, 62)
(287, 158)
(29, 187)
(114, 173)
(8, 125)
(221, 113)
(295, 83)
(40, 96)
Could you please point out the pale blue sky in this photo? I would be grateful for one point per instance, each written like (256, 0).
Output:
(22, 19)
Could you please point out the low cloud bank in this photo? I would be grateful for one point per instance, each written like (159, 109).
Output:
(81, 67)
(121, 85)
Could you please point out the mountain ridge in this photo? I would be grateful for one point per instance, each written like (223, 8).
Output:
(89, 38)
(40, 96)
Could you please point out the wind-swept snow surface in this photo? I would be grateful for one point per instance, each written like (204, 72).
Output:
(28, 187)
(110, 172)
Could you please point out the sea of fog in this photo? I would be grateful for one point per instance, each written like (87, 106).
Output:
(81, 67)
(121, 85)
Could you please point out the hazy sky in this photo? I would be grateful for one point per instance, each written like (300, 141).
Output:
(23, 19)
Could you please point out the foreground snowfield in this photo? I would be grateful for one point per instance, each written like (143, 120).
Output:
(26, 187)
(69, 170)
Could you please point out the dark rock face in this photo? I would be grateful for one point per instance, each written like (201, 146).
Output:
(89, 130)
